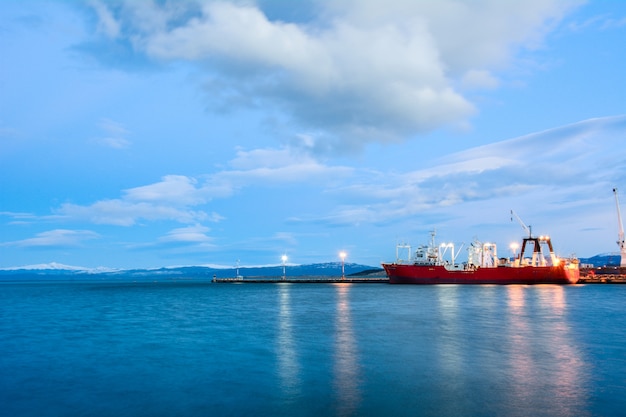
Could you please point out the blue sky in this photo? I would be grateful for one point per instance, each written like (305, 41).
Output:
(146, 134)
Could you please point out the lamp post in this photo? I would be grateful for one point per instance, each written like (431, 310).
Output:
(514, 247)
(343, 255)
(284, 259)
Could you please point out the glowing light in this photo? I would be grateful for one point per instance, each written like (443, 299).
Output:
(284, 259)
(343, 255)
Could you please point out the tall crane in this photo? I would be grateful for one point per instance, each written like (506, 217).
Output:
(620, 234)
(537, 257)
(529, 229)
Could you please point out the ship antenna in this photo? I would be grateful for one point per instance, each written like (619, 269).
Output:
(620, 234)
(528, 228)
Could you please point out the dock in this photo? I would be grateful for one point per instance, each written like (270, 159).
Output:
(603, 279)
(303, 280)
(603, 275)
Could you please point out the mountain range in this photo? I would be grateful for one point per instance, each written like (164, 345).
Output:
(59, 272)
(55, 271)
(605, 259)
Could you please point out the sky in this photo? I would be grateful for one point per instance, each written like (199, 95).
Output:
(142, 134)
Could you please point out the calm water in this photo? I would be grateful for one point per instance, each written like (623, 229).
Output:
(166, 349)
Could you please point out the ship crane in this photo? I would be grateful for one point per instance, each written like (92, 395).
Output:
(620, 234)
(529, 229)
(537, 256)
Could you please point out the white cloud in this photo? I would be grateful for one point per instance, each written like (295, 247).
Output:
(178, 190)
(124, 213)
(359, 70)
(108, 25)
(112, 127)
(549, 166)
(57, 238)
(562, 166)
(190, 234)
(279, 166)
(479, 79)
(115, 143)
(115, 134)
(175, 196)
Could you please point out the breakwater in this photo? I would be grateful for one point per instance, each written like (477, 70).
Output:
(304, 280)
(602, 279)
(603, 275)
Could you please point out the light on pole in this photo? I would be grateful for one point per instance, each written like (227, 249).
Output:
(284, 259)
(514, 248)
(343, 255)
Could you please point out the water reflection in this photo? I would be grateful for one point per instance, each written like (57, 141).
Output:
(538, 329)
(288, 366)
(346, 360)
(519, 349)
(451, 351)
(507, 350)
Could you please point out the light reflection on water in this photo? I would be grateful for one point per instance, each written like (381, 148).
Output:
(546, 366)
(288, 365)
(519, 348)
(495, 349)
(450, 351)
(312, 350)
(346, 367)
(345, 393)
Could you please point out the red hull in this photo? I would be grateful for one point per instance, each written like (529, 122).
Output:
(437, 274)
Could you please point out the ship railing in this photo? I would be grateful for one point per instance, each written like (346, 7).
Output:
(456, 267)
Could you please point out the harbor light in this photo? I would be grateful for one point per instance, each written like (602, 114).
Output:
(343, 255)
(284, 259)
(514, 247)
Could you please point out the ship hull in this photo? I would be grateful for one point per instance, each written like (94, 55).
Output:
(436, 274)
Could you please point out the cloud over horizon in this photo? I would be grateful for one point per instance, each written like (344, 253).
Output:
(58, 238)
(354, 72)
(557, 167)
(206, 131)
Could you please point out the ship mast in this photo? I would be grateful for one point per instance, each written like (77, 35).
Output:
(620, 234)
(529, 229)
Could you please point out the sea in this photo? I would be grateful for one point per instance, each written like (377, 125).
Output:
(187, 348)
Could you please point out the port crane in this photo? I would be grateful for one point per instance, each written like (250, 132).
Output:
(528, 229)
(537, 257)
(620, 233)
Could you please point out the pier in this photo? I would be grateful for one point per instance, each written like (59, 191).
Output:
(603, 279)
(603, 275)
(303, 280)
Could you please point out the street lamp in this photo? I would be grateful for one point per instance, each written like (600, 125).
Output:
(342, 255)
(514, 248)
(284, 259)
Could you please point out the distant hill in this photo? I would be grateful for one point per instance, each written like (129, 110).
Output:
(606, 259)
(63, 272)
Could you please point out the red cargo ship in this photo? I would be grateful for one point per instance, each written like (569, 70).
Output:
(484, 266)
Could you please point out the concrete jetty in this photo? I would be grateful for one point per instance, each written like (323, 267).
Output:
(303, 280)
(602, 279)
